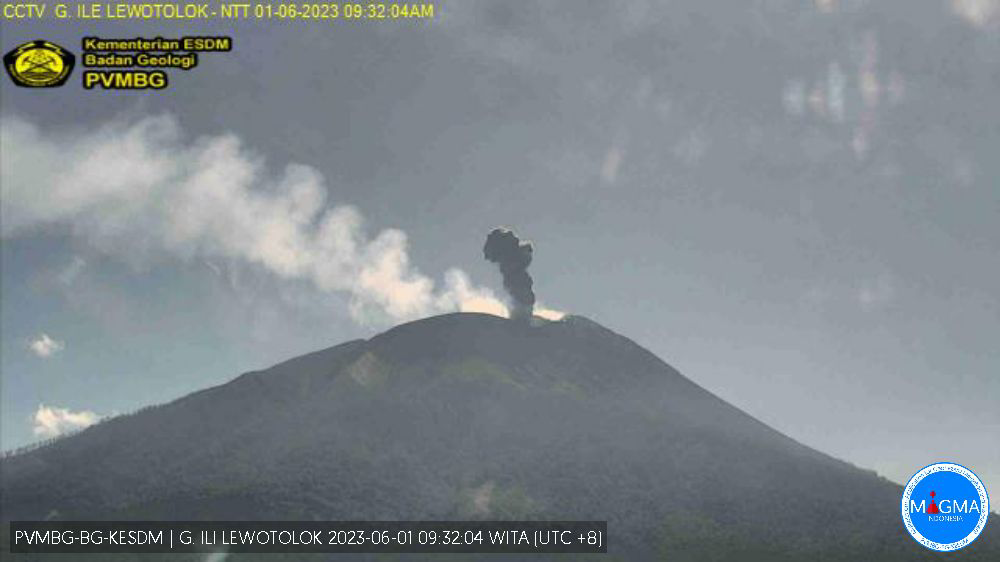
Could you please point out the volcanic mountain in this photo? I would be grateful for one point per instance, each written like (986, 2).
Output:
(470, 416)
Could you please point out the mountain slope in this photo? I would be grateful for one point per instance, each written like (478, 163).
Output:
(474, 416)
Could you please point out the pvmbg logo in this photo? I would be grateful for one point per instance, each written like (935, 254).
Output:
(39, 64)
(945, 506)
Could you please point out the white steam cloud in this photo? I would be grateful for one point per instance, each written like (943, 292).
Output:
(44, 346)
(139, 189)
(980, 13)
(52, 422)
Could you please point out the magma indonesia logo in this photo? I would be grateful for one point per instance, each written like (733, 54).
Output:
(39, 64)
(945, 506)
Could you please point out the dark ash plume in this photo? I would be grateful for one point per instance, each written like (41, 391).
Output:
(504, 248)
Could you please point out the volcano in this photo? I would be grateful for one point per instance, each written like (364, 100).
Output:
(470, 416)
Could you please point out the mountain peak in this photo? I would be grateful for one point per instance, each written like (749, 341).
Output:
(476, 416)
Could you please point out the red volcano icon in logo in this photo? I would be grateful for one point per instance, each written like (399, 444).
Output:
(932, 508)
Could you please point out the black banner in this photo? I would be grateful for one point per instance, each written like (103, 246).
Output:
(121, 537)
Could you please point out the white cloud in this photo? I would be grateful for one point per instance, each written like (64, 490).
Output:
(549, 313)
(876, 293)
(612, 162)
(52, 422)
(463, 296)
(691, 148)
(44, 346)
(72, 271)
(139, 190)
(793, 97)
(835, 82)
(980, 13)
(827, 6)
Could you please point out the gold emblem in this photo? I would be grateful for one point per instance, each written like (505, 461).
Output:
(39, 64)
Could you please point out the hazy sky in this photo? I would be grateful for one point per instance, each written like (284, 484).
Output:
(795, 203)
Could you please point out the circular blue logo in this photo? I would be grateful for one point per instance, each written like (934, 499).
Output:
(945, 506)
